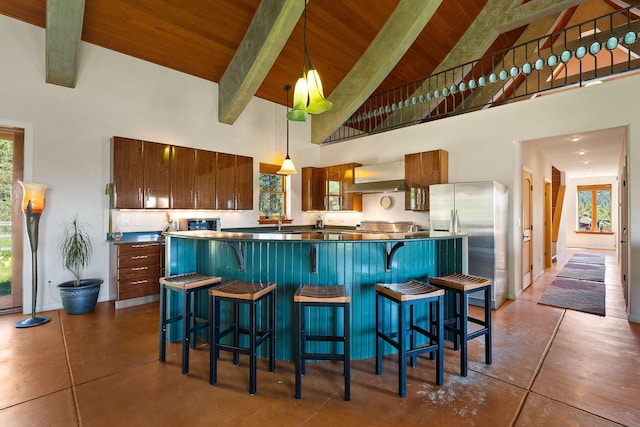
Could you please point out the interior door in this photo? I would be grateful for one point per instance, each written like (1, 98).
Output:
(624, 225)
(527, 227)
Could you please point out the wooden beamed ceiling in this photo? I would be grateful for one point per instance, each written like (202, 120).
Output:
(252, 48)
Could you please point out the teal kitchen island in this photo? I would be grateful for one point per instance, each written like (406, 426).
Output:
(325, 258)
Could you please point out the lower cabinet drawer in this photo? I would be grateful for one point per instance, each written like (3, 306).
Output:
(140, 272)
(138, 287)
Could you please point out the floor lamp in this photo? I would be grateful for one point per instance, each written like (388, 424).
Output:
(33, 205)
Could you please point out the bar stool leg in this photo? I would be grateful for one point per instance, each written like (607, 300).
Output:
(412, 336)
(463, 334)
(186, 321)
(379, 329)
(402, 354)
(347, 353)
(272, 331)
(252, 348)
(440, 338)
(236, 331)
(487, 319)
(214, 331)
(163, 326)
(297, 337)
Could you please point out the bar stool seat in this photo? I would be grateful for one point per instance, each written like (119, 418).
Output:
(187, 285)
(239, 292)
(461, 286)
(321, 296)
(410, 294)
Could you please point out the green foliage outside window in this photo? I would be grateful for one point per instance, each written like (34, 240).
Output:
(594, 208)
(6, 185)
(271, 201)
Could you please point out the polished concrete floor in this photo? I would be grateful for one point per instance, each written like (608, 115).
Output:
(551, 367)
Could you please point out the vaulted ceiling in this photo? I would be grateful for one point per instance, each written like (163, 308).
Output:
(254, 48)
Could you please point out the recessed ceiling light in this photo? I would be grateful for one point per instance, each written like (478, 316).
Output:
(586, 162)
(581, 153)
(575, 138)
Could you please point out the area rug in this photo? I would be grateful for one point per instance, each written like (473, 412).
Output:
(591, 272)
(580, 295)
(587, 259)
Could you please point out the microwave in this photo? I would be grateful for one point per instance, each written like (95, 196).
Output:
(212, 224)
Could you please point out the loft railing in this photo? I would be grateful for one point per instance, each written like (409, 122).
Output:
(575, 56)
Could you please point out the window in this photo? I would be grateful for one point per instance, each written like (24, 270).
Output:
(594, 208)
(273, 192)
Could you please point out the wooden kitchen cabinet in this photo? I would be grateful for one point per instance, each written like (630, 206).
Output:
(326, 188)
(138, 268)
(205, 179)
(127, 175)
(234, 182)
(421, 170)
(183, 175)
(157, 175)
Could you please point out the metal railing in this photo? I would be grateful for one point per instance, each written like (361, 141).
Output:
(595, 49)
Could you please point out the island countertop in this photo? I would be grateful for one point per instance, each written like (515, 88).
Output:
(310, 235)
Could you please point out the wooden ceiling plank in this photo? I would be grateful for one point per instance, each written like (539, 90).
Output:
(396, 36)
(266, 36)
(63, 32)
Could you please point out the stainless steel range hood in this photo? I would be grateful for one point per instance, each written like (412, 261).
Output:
(380, 178)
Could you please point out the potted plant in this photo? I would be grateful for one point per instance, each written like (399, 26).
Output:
(79, 295)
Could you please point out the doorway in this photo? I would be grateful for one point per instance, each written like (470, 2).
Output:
(11, 227)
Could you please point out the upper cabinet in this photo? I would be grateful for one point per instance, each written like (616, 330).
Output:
(127, 173)
(205, 179)
(141, 174)
(326, 188)
(183, 162)
(421, 170)
(148, 175)
(234, 182)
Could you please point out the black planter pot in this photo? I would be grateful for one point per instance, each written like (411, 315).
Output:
(80, 299)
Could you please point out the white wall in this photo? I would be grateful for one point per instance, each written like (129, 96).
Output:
(119, 95)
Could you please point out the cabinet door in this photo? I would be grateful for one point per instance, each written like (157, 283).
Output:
(244, 183)
(127, 173)
(347, 177)
(182, 177)
(435, 170)
(413, 194)
(225, 181)
(313, 189)
(205, 179)
(333, 189)
(157, 175)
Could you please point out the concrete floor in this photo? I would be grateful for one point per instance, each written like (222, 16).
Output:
(551, 367)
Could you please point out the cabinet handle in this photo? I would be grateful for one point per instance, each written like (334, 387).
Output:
(139, 268)
(139, 194)
(191, 196)
(140, 257)
(143, 246)
(139, 282)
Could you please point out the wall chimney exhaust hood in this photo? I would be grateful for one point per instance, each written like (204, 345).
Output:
(380, 178)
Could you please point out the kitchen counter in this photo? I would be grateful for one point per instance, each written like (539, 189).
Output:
(325, 258)
(138, 237)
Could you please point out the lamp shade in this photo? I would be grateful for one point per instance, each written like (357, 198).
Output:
(300, 96)
(317, 102)
(287, 167)
(33, 193)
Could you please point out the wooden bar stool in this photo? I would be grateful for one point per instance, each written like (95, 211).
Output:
(410, 294)
(462, 285)
(321, 296)
(187, 285)
(238, 292)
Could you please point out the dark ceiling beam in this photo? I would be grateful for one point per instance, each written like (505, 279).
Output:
(396, 36)
(63, 33)
(266, 36)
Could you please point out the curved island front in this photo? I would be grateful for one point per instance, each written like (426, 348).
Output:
(323, 258)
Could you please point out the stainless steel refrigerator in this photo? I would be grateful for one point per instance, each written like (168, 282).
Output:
(479, 209)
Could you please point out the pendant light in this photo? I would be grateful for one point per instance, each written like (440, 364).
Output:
(308, 95)
(287, 167)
